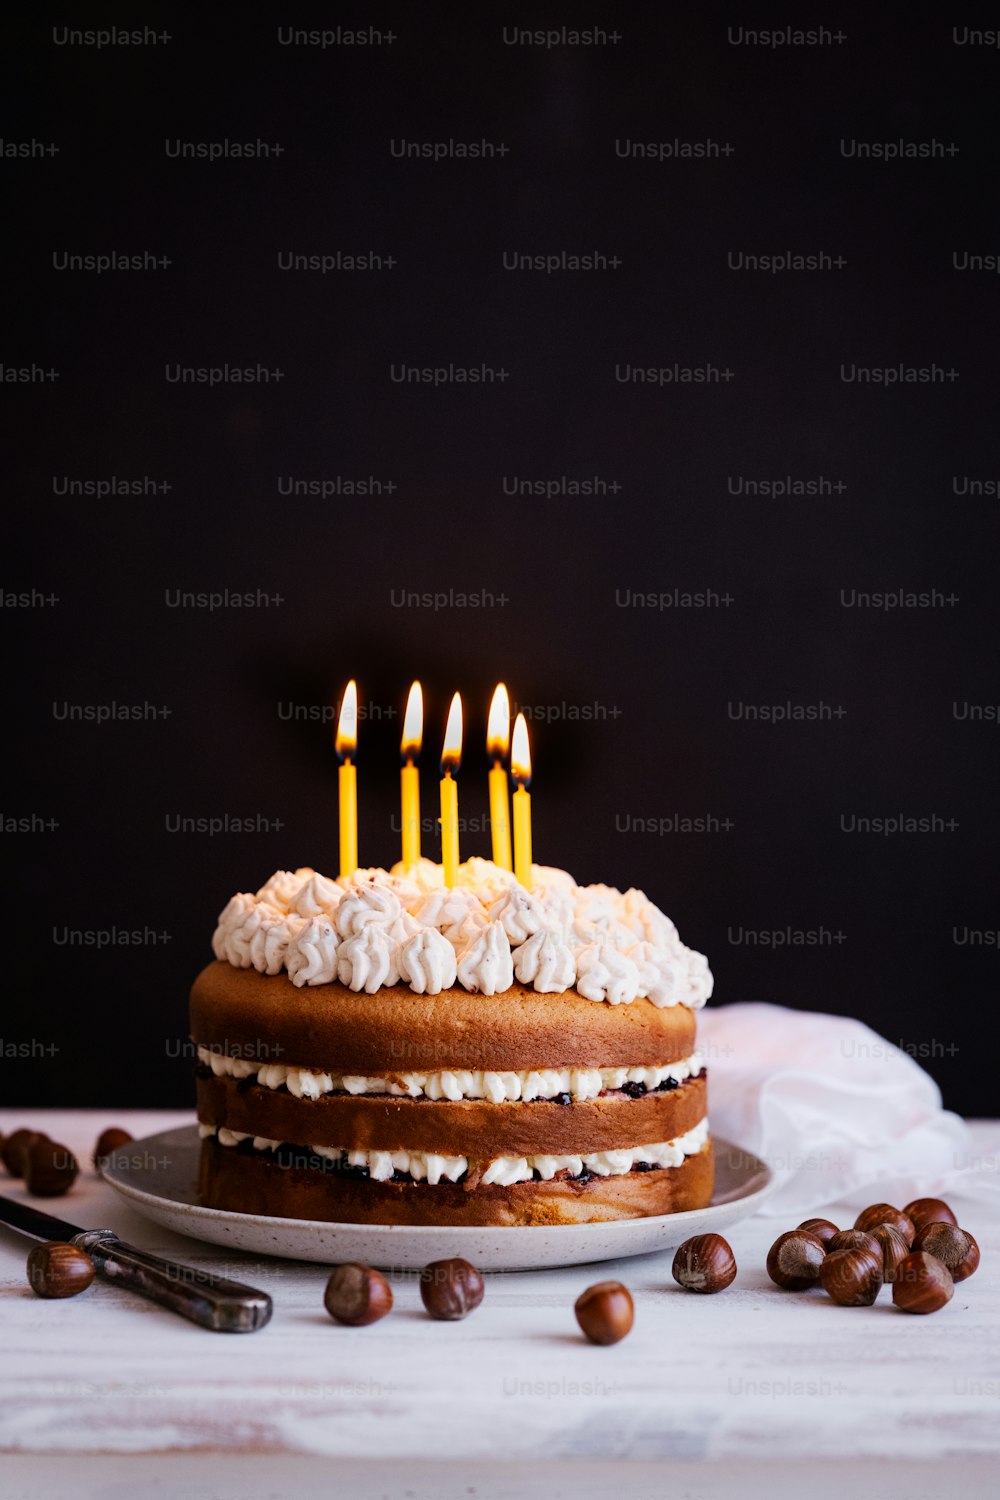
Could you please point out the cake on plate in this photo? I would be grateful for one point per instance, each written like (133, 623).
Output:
(383, 1049)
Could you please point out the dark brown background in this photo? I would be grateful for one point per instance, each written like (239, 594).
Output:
(105, 1027)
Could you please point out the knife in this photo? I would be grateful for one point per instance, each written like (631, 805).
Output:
(210, 1301)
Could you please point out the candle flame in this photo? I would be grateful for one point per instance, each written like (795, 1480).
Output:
(451, 755)
(498, 727)
(347, 727)
(413, 723)
(520, 755)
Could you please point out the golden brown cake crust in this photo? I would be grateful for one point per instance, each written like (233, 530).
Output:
(469, 1127)
(329, 1027)
(255, 1182)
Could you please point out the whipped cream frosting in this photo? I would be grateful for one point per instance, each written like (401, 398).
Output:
(455, 1083)
(545, 962)
(427, 962)
(426, 1166)
(313, 956)
(377, 927)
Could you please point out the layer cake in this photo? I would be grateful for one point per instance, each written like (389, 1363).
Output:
(382, 1049)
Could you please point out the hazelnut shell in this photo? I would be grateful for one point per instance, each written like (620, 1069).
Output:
(923, 1283)
(794, 1260)
(451, 1289)
(893, 1249)
(50, 1169)
(853, 1278)
(924, 1211)
(56, 1269)
(883, 1213)
(953, 1246)
(108, 1142)
(704, 1264)
(853, 1239)
(357, 1295)
(823, 1229)
(605, 1312)
(14, 1151)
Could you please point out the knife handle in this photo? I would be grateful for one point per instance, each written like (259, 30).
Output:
(210, 1301)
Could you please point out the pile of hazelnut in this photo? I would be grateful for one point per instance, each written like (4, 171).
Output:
(55, 1269)
(919, 1250)
(50, 1169)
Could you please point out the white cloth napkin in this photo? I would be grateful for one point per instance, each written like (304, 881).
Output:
(836, 1110)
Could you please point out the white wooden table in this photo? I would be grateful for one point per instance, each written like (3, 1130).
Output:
(750, 1392)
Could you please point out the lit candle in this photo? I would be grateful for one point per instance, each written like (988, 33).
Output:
(497, 742)
(520, 768)
(451, 758)
(347, 744)
(409, 776)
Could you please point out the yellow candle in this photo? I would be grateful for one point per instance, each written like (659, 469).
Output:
(497, 741)
(451, 757)
(409, 777)
(449, 828)
(348, 784)
(500, 816)
(347, 781)
(520, 765)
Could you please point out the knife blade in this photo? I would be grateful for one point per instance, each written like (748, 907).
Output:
(35, 1224)
(211, 1301)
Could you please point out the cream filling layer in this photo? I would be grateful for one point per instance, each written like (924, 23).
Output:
(454, 1084)
(425, 1166)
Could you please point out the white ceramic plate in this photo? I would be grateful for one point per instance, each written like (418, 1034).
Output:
(160, 1181)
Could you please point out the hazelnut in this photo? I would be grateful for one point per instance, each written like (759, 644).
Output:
(953, 1246)
(924, 1211)
(15, 1149)
(108, 1142)
(923, 1283)
(357, 1295)
(821, 1228)
(794, 1259)
(852, 1277)
(892, 1247)
(59, 1270)
(49, 1169)
(704, 1264)
(853, 1239)
(451, 1289)
(884, 1213)
(605, 1312)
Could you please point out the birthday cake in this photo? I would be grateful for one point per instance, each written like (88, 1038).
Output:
(386, 1049)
